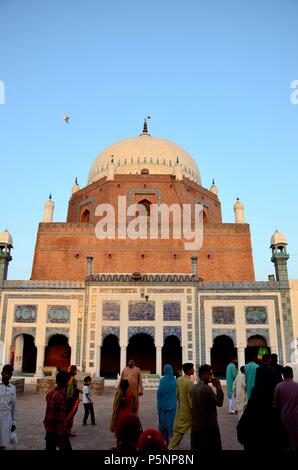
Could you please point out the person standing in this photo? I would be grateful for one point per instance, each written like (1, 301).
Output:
(72, 398)
(87, 401)
(277, 367)
(266, 376)
(231, 372)
(125, 403)
(182, 423)
(166, 402)
(55, 417)
(134, 376)
(7, 406)
(286, 402)
(205, 434)
(239, 390)
(250, 376)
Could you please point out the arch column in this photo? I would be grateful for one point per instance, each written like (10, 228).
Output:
(18, 353)
(158, 360)
(122, 357)
(39, 360)
(240, 356)
(97, 360)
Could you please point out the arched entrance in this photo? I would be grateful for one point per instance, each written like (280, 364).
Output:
(221, 354)
(110, 357)
(256, 348)
(141, 348)
(24, 354)
(57, 353)
(172, 353)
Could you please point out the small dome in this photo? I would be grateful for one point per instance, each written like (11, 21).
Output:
(278, 239)
(144, 153)
(238, 204)
(6, 238)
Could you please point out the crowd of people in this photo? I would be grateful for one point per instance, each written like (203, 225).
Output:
(264, 395)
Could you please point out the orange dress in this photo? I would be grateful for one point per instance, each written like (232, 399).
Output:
(122, 407)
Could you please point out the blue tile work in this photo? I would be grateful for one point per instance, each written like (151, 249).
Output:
(135, 330)
(172, 331)
(224, 331)
(25, 313)
(19, 330)
(56, 331)
(256, 315)
(58, 314)
(141, 311)
(110, 330)
(111, 310)
(258, 331)
(223, 315)
(172, 311)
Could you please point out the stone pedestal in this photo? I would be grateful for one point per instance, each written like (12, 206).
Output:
(45, 384)
(19, 385)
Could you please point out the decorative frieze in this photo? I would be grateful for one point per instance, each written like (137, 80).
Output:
(256, 315)
(138, 311)
(135, 330)
(111, 310)
(172, 331)
(110, 330)
(223, 315)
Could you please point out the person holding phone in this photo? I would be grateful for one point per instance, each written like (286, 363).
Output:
(205, 433)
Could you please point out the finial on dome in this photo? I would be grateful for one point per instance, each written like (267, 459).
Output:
(145, 126)
(213, 188)
(76, 181)
(50, 196)
(213, 182)
(177, 161)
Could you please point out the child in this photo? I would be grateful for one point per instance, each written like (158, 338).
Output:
(87, 401)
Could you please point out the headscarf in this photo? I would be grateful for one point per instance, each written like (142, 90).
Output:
(129, 431)
(166, 393)
(151, 440)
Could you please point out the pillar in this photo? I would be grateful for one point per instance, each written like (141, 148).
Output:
(39, 360)
(18, 354)
(122, 358)
(241, 357)
(158, 361)
(72, 354)
(89, 265)
(97, 360)
(194, 265)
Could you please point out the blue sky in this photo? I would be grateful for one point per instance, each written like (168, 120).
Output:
(214, 77)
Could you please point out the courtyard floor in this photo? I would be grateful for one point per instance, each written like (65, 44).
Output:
(31, 410)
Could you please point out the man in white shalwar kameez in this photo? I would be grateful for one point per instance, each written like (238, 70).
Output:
(7, 406)
(239, 390)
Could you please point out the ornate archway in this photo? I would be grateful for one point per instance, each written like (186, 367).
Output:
(23, 354)
(172, 353)
(222, 352)
(256, 347)
(110, 357)
(142, 349)
(57, 352)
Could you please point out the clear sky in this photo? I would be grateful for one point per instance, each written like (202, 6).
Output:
(214, 77)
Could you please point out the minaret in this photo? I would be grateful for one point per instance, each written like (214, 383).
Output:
(48, 210)
(278, 245)
(75, 187)
(178, 170)
(213, 188)
(239, 212)
(5, 255)
(111, 169)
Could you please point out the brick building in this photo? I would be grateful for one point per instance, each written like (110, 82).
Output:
(95, 301)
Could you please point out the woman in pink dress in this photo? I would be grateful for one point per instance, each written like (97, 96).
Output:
(125, 404)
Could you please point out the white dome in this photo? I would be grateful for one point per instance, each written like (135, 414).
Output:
(6, 238)
(131, 156)
(278, 238)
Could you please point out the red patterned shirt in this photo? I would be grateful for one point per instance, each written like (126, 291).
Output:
(56, 412)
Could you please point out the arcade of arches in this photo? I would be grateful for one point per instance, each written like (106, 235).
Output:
(142, 349)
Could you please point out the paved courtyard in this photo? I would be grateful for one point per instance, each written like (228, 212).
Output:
(31, 410)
